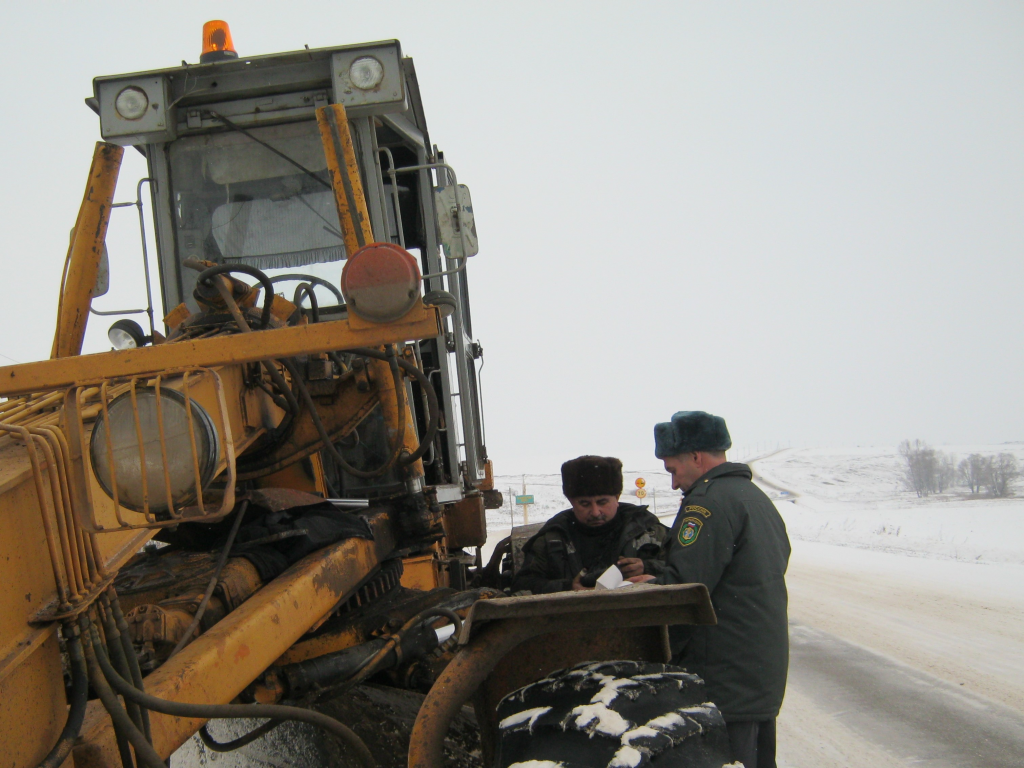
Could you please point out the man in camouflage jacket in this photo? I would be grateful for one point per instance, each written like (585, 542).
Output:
(578, 544)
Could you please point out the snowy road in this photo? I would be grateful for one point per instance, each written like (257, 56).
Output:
(900, 661)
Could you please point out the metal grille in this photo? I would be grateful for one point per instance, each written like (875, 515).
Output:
(91, 401)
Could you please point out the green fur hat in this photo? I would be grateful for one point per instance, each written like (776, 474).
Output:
(690, 431)
(592, 476)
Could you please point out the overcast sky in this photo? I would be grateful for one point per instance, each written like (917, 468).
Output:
(805, 217)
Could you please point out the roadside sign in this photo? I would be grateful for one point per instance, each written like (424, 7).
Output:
(641, 493)
(524, 499)
(640, 482)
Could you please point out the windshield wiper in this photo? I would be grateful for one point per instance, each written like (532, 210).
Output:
(262, 143)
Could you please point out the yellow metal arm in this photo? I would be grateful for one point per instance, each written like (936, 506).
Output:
(86, 250)
(423, 322)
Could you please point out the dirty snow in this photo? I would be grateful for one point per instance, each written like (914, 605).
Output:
(519, 718)
(598, 718)
(626, 757)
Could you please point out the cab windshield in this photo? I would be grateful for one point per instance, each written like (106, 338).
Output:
(236, 201)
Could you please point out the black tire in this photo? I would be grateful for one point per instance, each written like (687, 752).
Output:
(613, 714)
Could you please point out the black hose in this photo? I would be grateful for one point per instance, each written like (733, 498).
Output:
(245, 269)
(116, 652)
(213, 580)
(338, 361)
(433, 405)
(131, 656)
(79, 700)
(370, 665)
(241, 741)
(325, 436)
(122, 723)
(305, 289)
(208, 711)
(311, 279)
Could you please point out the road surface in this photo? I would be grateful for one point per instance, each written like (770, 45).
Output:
(902, 661)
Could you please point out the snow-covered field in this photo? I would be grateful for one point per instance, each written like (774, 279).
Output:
(855, 497)
(843, 496)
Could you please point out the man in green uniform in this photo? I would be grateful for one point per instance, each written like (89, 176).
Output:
(578, 544)
(729, 536)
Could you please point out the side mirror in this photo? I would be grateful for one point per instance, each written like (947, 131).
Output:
(102, 275)
(456, 222)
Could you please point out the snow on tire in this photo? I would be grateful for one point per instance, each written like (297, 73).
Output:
(612, 714)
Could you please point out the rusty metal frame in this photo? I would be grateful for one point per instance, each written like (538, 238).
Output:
(493, 628)
(81, 487)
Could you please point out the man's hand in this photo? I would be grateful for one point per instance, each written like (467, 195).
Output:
(576, 585)
(630, 566)
(641, 579)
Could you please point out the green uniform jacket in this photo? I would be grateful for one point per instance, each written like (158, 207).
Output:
(551, 561)
(729, 536)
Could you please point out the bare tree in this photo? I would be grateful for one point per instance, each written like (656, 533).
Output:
(919, 472)
(1003, 470)
(945, 471)
(974, 471)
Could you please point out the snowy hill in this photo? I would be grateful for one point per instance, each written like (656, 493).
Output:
(845, 496)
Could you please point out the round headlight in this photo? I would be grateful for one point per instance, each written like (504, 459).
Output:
(131, 103)
(366, 73)
(123, 439)
(126, 334)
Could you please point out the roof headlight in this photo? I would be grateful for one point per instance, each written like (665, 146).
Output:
(126, 334)
(131, 103)
(366, 73)
(115, 454)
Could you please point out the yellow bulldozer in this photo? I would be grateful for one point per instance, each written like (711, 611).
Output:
(274, 492)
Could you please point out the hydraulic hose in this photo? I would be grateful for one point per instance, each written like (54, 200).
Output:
(314, 280)
(183, 641)
(130, 655)
(370, 666)
(79, 700)
(241, 741)
(116, 652)
(433, 405)
(325, 436)
(123, 724)
(208, 711)
(243, 327)
(302, 290)
(245, 269)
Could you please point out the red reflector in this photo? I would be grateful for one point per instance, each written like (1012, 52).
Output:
(381, 282)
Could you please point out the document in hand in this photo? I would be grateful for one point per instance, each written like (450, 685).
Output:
(612, 579)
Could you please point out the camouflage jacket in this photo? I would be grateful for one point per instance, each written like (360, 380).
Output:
(552, 560)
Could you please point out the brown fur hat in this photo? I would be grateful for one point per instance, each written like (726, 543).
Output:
(592, 476)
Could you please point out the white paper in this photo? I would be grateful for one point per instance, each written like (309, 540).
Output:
(612, 579)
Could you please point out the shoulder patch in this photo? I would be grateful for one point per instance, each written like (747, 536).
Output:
(690, 530)
(698, 511)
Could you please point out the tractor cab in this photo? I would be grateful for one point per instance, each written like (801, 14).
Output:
(238, 176)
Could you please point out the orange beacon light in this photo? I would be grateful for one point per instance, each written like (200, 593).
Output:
(217, 44)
